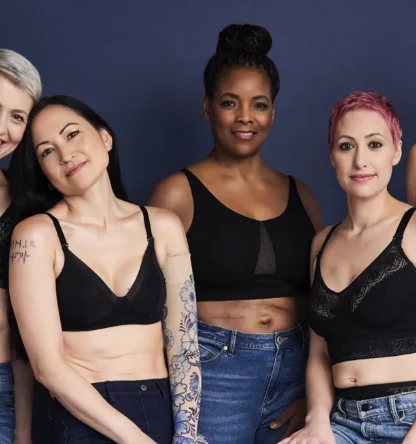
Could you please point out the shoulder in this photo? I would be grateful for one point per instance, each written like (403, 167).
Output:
(35, 228)
(171, 191)
(34, 237)
(410, 230)
(164, 221)
(168, 230)
(310, 203)
(319, 239)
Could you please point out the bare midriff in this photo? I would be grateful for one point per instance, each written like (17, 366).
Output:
(375, 371)
(254, 316)
(124, 353)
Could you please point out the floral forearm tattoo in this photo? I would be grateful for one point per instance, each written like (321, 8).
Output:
(184, 368)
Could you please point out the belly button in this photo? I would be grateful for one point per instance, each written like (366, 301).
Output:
(354, 380)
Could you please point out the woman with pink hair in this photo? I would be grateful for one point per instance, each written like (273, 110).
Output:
(361, 373)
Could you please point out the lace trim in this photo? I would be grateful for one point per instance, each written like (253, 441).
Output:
(327, 303)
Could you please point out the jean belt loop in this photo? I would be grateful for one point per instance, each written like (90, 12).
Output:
(231, 345)
(341, 403)
(163, 394)
(110, 392)
(393, 408)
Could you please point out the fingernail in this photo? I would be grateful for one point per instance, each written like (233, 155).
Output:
(273, 425)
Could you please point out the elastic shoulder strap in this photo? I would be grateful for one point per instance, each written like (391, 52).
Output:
(294, 196)
(192, 179)
(147, 223)
(59, 231)
(328, 236)
(403, 224)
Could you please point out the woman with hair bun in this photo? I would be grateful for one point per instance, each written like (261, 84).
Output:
(249, 228)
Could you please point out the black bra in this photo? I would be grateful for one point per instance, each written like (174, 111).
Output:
(374, 316)
(87, 303)
(235, 257)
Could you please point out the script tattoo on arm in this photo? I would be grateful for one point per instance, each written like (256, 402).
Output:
(20, 250)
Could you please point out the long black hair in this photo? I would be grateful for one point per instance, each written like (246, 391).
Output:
(29, 186)
(241, 46)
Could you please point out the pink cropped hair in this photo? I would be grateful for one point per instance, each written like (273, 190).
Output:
(370, 101)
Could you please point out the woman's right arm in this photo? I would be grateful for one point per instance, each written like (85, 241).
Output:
(34, 301)
(319, 381)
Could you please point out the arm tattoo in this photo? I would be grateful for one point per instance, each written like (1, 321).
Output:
(184, 369)
(169, 339)
(19, 250)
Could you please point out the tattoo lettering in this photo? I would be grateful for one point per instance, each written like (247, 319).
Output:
(19, 250)
(185, 380)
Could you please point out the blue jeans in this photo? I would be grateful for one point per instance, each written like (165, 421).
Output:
(7, 414)
(379, 420)
(147, 403)
(247, 381)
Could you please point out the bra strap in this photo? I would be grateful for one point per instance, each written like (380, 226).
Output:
(403, 224)
(59, 231)
(328, 236)
(147, 223)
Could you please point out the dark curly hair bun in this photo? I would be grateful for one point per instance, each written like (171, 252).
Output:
(244, 38)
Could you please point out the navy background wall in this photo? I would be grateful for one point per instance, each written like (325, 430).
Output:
(140, 65)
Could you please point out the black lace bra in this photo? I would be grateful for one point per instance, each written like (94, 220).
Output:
(374, 316)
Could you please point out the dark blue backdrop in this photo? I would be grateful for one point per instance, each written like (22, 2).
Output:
(140, 64)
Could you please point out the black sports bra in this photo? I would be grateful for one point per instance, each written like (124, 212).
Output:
(374, 316)
(86, 302)
(235, 257)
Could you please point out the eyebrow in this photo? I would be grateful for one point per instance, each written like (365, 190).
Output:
(366, 137)
(65, 127)
(20, 111)
(235, 96)
(374, 134)
(60, 132)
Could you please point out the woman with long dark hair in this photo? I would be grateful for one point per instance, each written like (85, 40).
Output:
(100, 288)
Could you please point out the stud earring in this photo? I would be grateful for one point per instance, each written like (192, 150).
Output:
(51, 187)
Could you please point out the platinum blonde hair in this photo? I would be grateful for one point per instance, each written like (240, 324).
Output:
(18, 70)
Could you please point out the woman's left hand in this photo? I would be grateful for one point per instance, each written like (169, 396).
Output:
(294, 415)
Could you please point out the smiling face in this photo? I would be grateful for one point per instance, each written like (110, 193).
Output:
(71, 152)
(363, 153)
(15, 105)
(241, 111)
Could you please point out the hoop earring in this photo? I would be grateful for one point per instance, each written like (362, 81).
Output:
(51, 187)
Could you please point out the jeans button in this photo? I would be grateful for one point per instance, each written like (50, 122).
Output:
(143, 387)
(366, 407)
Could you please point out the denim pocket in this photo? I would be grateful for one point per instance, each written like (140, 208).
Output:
(210, 351)
(407, 416)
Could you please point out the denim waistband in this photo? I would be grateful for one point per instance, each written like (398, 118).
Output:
(5, 369)
(234, 338)
(376, 406)
(110, 389)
